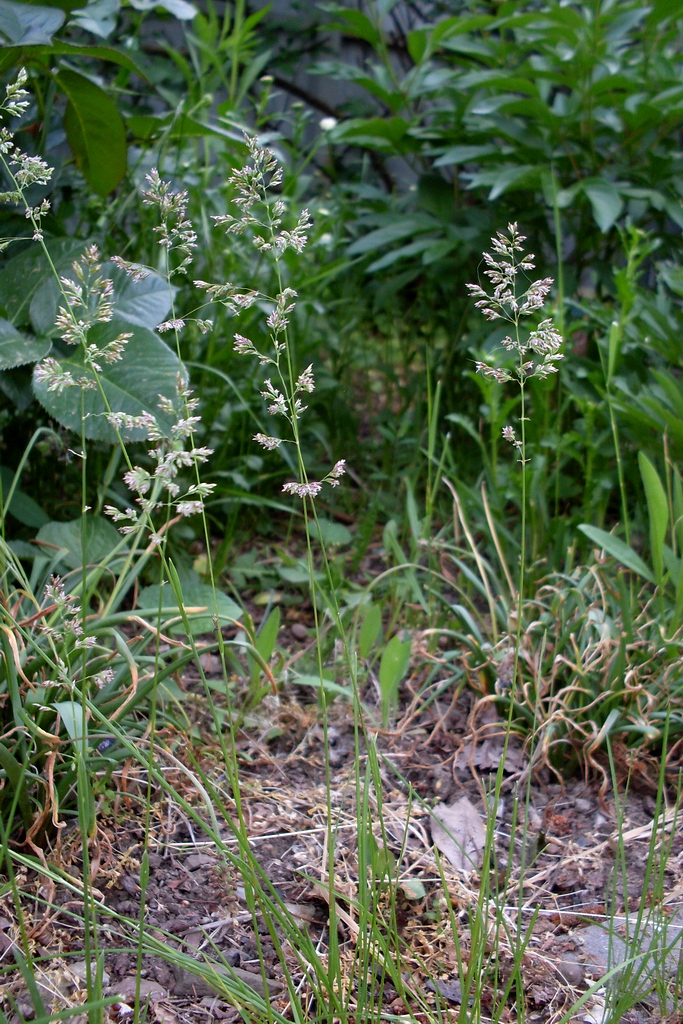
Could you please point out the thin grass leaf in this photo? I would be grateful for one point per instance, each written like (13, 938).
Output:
(658, 512)
(617, 549)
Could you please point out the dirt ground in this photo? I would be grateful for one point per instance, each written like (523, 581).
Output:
(557, 868)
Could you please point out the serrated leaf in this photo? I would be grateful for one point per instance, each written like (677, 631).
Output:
(617, 549)
(147, 369)
(199, 605)
(29, 24)
(95, 132)
(101, 538)
(18, 349)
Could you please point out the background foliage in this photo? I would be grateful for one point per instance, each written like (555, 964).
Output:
(412, 135)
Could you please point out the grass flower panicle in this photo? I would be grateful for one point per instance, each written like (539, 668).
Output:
(134, 270)
(171, 457)
(175, 231)
(262, 216)
(504, 303)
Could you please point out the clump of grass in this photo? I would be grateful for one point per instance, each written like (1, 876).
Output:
(73, 641)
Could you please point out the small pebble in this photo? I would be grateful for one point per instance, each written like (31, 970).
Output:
(299, 631)
(583, 805)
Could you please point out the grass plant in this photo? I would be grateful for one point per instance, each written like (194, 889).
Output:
(99, 621)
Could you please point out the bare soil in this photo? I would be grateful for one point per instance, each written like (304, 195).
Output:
(558, 869)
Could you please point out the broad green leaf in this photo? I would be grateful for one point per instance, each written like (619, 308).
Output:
(672, 275)
(330, 533)
(298, 573)
(617, 549)
(22, 549)
(384, 133)
(510, 177)
(328, 685)
(419, 45)
(64, 5)
(15, 774)
(101, 538)
(16, 385)
(45, 303)
(657, 510)
(178, 8)
(267, 635)
(98, 17)
(464, 154)
(370, 630)
(421, 245)
(393, 666)
(199, 604)
(678, 509)
(145, 303)
(413, 889)
(265, 643)
(148, 368)
(398, 229)
(22, 506)
(17, 349)
(72, 717)
(606, 202)
(29, 24)
(149, 126)
(23, 277)
(450, 28)
(61, 48)
(95, 132)
(355, 23)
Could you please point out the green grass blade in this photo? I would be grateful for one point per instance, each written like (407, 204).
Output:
(617, 549)
(658, 512)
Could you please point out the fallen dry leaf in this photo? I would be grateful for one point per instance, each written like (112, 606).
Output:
(459, 833)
